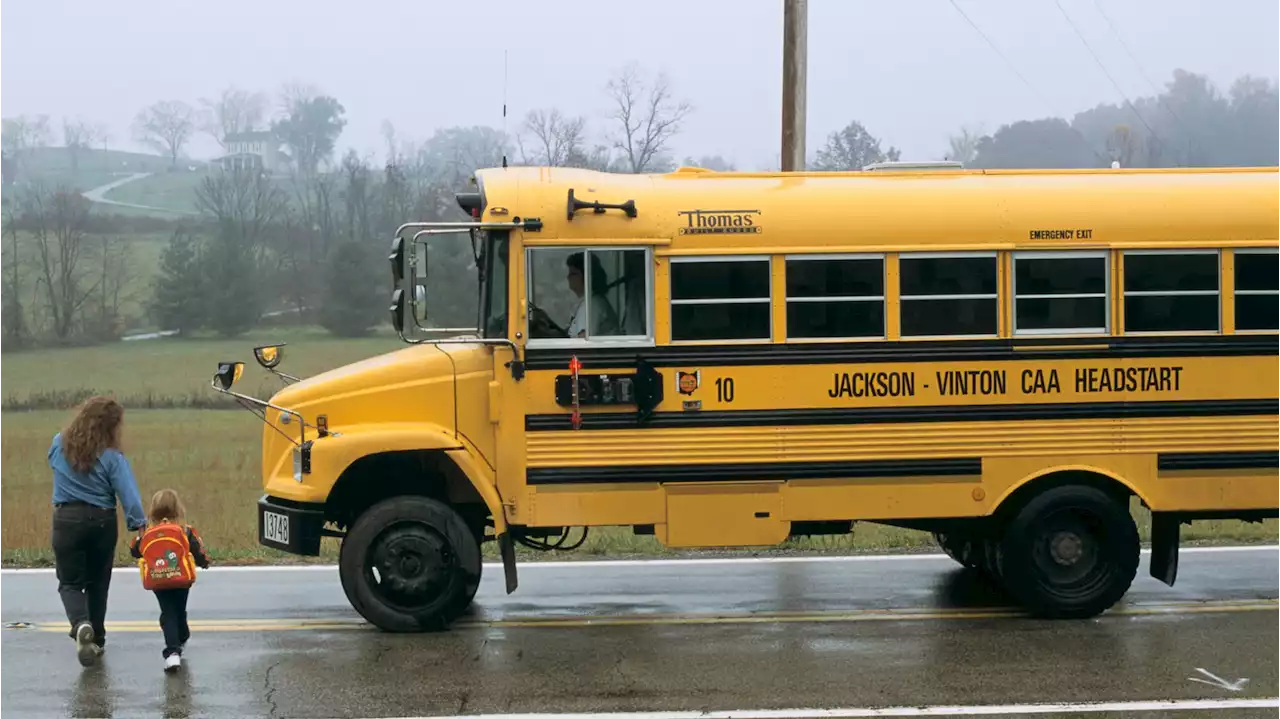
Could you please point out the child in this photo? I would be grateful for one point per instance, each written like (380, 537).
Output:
(165, 552)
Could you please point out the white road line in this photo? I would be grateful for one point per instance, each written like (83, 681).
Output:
(916, 711)
(532, 565)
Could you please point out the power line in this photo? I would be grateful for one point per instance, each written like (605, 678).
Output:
(1141, 70)
(1023, 78)
(1103, 67)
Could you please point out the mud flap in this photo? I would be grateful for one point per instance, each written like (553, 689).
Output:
(507, 548)
(1165, 536)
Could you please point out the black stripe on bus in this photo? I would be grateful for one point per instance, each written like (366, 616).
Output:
(1040, 348)
(755, 471)
(1217, 460)
(893, 415)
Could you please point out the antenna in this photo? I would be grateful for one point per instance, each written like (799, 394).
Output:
(504, 107)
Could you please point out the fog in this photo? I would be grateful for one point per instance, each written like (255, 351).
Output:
(911, 72)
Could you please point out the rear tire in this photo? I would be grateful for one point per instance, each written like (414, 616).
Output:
(410, 564)
(959, 547)
(1071, 552)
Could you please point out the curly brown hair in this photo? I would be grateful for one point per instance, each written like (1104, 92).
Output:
(94, 429)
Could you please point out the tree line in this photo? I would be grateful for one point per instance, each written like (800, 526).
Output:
(314, 243)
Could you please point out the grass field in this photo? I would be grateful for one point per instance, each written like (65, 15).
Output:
(170, 372)
(166, 190)
(52, 166)
(175, 191)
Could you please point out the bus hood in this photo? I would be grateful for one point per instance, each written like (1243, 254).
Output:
(414, 384)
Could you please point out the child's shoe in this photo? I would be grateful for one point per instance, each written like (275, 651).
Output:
(172, 663)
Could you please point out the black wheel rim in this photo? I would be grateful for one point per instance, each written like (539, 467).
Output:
(409, 565)
(1070, 554)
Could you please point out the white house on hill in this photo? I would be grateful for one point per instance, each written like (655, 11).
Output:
(256, 150)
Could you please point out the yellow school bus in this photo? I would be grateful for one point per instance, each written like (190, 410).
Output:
(1003, 358)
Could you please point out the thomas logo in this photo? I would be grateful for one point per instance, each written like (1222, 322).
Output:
(720, 222)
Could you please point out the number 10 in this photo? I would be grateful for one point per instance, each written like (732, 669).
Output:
(724, 389)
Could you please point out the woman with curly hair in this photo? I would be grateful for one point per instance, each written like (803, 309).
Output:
(89, 474)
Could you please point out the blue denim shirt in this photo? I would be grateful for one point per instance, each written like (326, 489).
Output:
(110, 477)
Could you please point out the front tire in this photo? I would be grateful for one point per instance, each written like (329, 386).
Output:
(410, 564)
(1071, 552)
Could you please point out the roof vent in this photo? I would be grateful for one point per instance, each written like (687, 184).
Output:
(913, 166)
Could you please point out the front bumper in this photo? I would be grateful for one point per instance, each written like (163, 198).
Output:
(294, 527)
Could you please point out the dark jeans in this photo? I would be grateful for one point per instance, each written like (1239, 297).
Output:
(84, 542)
(173, 619)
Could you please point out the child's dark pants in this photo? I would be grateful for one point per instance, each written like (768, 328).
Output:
(173, 619)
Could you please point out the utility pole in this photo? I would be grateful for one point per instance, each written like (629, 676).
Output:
(795, 59)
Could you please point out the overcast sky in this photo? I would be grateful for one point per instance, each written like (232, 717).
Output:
(912, 71)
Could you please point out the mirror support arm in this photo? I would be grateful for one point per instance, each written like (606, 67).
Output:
(302, 424)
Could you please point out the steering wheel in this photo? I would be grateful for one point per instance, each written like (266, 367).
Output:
(541, 323)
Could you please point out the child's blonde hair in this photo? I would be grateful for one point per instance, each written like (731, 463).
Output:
(165, 505)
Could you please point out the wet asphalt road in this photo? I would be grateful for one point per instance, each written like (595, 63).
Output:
(654, 636)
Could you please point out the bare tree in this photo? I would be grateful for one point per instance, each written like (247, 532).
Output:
(647, 117)
(393, 146)
(78, 135)
(102, 131)
(232, 111)
(246, 208)
(57, 221)
(963, 146)
(1122, 145)
(556, 140)
(12, 314)
(166, 126)
(294, 92)
(22, 134)
(115, 270)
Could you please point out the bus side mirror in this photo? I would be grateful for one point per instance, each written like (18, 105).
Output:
(228, 373)
(397, 310)
(397, 260)
(269, 356)
(419, 304)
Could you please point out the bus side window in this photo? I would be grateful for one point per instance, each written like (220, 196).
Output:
(949, 295)
(1256, 290)
(834, 297)
(1171, 291)
(1060, 292)
(725, 298)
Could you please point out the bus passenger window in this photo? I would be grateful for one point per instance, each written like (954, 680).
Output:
(1171, 291)
(1256, 291)
(949, 295)
(720, 299)
(835, 297)
(1060, 293)
(577, 293)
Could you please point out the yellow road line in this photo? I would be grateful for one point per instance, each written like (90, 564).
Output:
(860, 615)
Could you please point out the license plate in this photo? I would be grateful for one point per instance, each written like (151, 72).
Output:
(275, 527)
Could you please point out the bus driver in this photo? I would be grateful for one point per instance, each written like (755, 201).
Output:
(603, 321)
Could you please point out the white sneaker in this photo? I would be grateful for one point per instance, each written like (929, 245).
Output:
(86, 651)
(172, 662)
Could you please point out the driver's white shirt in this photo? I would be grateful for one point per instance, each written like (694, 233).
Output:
(605, 320)
(575, 324)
